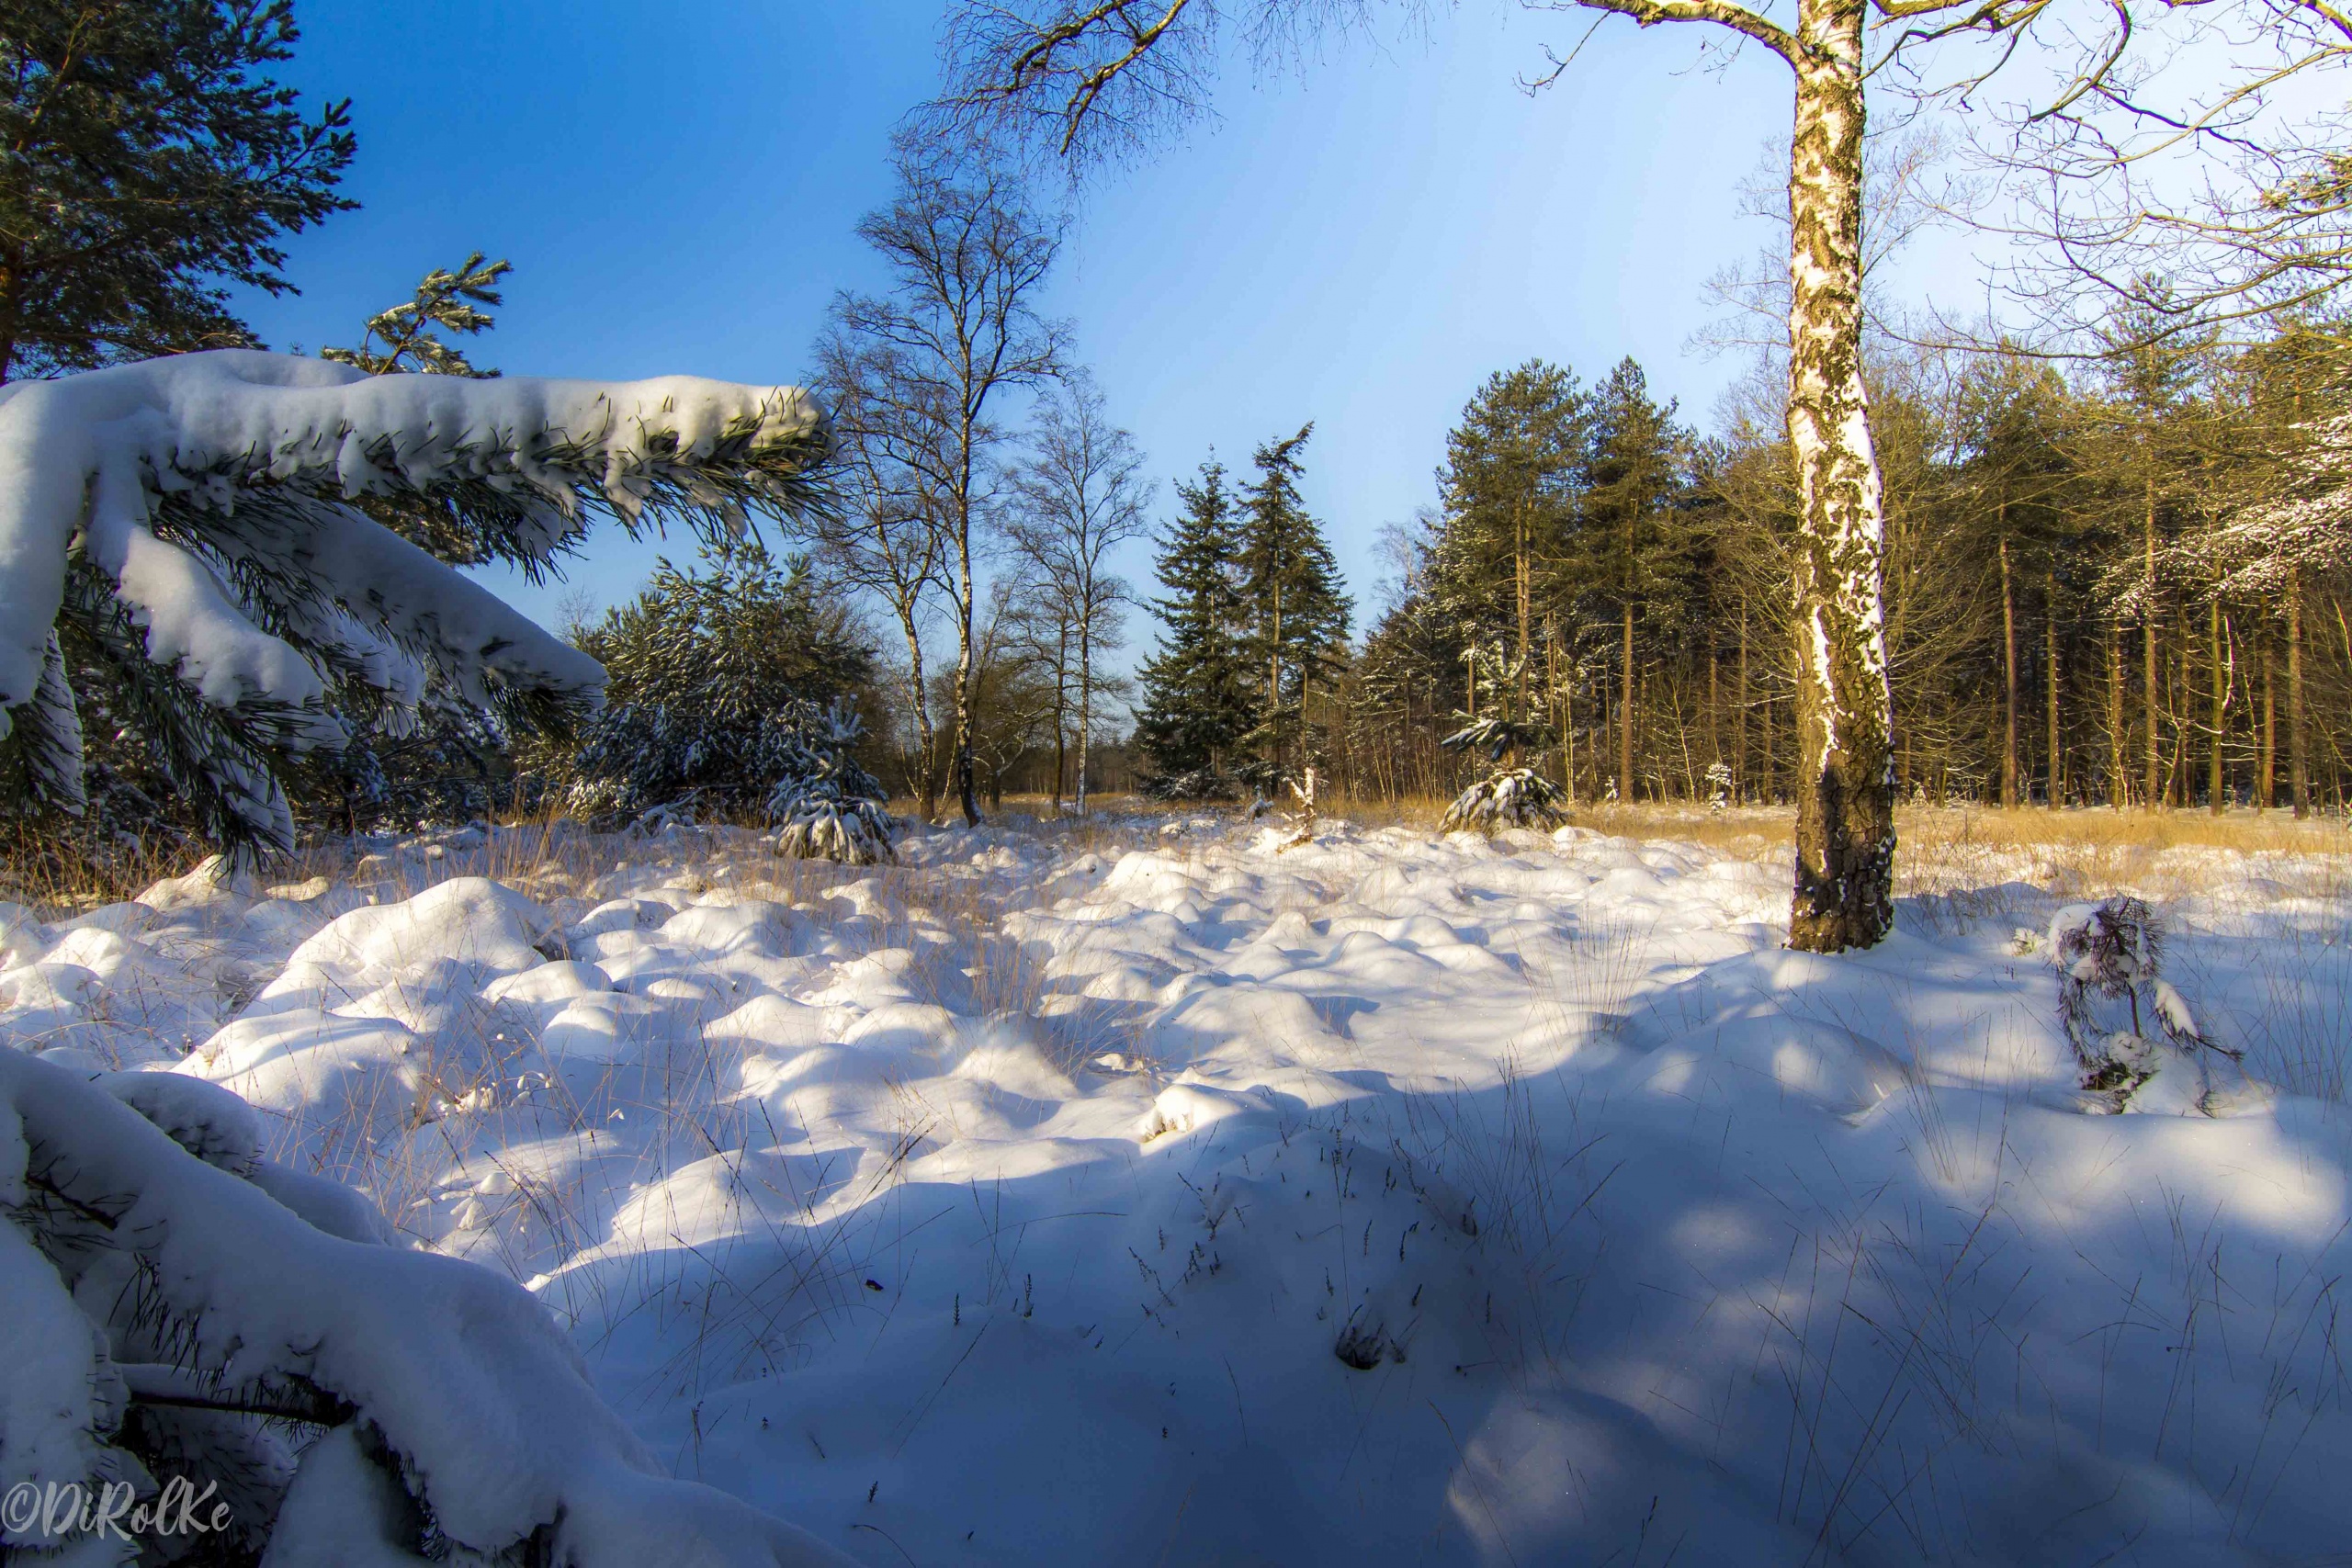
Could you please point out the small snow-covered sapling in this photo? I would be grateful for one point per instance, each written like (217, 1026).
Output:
(2113, 952)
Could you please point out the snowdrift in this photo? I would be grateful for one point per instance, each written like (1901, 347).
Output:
(1178, 1193)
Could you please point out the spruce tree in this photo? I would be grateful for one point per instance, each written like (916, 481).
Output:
(1196, 704)
(1297, 614)
(151, 160)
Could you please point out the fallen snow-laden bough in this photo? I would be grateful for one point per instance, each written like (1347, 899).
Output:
(167, 1288)
(191, 522)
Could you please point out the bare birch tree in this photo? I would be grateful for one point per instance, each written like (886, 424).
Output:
(880, 541)
(1081, 496)
(1095, 76)
(968, 256)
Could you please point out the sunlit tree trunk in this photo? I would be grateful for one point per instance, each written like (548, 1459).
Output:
(1085, 711)
(2213, 782)
(2266, 778)
(926, 737)
(2115, 782)
(1625, 715)
(1845, 859)
(2299, 778)
(2009, 677)
(1739, 715)
(1522, 574)
(2153, 793)
(2057, 787)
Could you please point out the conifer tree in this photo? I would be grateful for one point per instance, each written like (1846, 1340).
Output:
(1297, 614)
(1509, 483)
(1196, 704)
(152, 160)
(1637, 464)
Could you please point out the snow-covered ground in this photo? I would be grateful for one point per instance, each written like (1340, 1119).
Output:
(1153, 1192)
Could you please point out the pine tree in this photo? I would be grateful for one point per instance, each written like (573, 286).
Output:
(151, 160)
(1509, 485)
(401, 338)
(1196, 705)
(1633, 540)
(1296, 612)
(237, 601)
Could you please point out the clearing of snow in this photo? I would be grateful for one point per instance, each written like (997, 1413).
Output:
(1161, 1190)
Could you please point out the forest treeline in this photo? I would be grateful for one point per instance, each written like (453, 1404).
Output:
(2115, 583)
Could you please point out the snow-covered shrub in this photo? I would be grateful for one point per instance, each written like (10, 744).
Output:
(177, 1313)
(2113, 952)
(1718, 785)
(1510, 798)
(707, 669)
(1200, 784)
(825, 806)
(189, 524)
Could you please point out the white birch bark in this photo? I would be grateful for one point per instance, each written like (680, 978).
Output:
(1845, 708)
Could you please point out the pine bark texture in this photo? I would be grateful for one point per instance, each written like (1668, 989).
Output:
(1845, 850)
(2057, 793)
(2009, 681)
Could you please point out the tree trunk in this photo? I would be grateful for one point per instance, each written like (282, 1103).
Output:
(1061, 713)
(1739, 713)
(2008, 676)
(2299, 778)
(2214, 790)
(2115, 787)
(1085, 710)
(1845, 849)
(1715, 708)
(2265, 773)
(967, 784)
(1521, 574)
(2056, 794)
(1625, 715)
(926, 739)
(2153, 793)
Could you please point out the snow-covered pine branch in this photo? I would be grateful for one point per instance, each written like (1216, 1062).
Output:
(187, 521)
(165, 1287)
(2304, 527)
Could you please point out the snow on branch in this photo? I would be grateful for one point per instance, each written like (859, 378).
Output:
(165, 1287)
(195, 514)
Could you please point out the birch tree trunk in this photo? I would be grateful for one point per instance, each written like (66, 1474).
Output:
(1845, 850)
(926, 739)
(1085, 709)
(966, 788)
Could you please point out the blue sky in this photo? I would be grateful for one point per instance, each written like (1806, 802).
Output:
(1357, 242)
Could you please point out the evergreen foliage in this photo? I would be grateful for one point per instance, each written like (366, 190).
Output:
(722, 685)
(152, 159)
(1295, 612)
(229, 607)
(401, 338)
(1509, 487)
(1196, 703)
